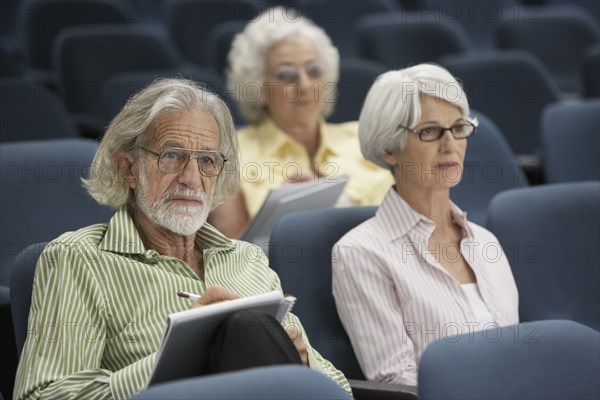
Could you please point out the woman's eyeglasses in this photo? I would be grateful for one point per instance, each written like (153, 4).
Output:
(288, 73)
(433, 133)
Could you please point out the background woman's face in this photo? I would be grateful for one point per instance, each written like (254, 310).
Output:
(293, 87)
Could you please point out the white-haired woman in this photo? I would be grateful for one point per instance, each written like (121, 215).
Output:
(283, 70)
(418, 271)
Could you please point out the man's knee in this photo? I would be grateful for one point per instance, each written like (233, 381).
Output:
(251, 326)
(250, 317)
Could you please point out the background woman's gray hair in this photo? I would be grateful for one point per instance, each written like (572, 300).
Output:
(130, 127)
(394, 100)
(246, 71)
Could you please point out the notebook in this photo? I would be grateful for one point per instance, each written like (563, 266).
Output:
(288, 199)
(184, 348)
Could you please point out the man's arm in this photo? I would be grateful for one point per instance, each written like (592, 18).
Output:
(67, 333)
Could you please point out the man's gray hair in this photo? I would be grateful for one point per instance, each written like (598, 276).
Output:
(247, 59)
(130, 128)
(394, 99)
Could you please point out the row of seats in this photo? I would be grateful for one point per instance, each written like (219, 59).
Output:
(560, 132)
(417, 36)
(513, 88)
(461, 26)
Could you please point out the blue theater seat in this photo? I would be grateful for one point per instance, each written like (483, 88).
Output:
(300, 251)
(536, 360)
(571, 141)
(550, 236)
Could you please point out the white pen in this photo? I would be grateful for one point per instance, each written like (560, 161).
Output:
(187, 295)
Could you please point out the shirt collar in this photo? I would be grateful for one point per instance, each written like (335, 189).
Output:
(274, 139)
(123, 237)
(398, 218)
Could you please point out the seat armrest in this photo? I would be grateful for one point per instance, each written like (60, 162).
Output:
(368, 390)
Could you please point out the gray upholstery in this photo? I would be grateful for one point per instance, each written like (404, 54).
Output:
(42, 195)
(276, 382)
(571, 141)
(512, 88)
(550, 236)
(301, 251)
(535, 360)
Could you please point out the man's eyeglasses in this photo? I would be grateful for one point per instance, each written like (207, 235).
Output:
(173, 159)
(289, 73)
(433, 133)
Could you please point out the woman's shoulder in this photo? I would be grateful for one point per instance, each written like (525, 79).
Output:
(247, 133)
(365, 236)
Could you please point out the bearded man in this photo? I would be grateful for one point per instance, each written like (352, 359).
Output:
(167, 159)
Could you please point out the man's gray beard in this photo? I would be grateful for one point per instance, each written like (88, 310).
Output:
(179, 219)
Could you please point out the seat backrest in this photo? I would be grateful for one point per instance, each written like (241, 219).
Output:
(398, 42)
(42, 195)
(190, 21)
(564, 27)
(120, 87)
(21, 285)
(555, 359)
(512, 88)
(31, 111)
(283, 382)
(490, 167)
(300, 251)
(571, 141)
(86, 57)
(480, 18)
(550, 236)
(44, 20)
(12, 61)
(339, 17)
(356, 78)
(591, 72)
(218, 44)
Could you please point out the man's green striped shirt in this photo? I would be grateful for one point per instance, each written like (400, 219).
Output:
(100, 301)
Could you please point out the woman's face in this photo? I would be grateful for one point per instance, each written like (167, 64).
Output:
(293, 87)
(437, 164)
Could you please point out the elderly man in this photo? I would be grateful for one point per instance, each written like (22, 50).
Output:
(101, 294)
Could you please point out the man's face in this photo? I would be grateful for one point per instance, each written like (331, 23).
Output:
(178, 201)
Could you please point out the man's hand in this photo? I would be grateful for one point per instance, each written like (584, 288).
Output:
(296, 335)
(215, 294)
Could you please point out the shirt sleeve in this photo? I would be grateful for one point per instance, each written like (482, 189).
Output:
(369, 310)
(67, 333)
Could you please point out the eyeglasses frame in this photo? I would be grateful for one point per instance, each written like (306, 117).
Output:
(192, 156)
(442, 132)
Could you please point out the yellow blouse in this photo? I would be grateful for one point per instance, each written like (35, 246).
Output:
(270, 158)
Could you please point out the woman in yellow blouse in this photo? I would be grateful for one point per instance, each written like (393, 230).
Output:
(283, 72)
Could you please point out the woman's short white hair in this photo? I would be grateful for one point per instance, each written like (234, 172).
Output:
(247, 58)
(394, 99)
(134, 124)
